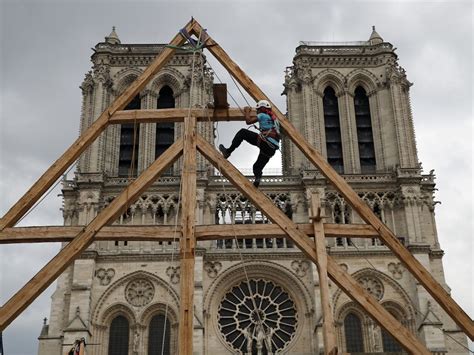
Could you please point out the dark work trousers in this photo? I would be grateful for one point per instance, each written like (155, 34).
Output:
(266, 150)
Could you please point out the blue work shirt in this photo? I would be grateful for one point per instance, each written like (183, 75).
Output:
(266, 123)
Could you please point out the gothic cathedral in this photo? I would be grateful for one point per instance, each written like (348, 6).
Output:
(351, 101)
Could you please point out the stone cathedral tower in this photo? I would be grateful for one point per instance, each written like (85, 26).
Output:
(352, 102)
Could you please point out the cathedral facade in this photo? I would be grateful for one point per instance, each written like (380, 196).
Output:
(254, 296)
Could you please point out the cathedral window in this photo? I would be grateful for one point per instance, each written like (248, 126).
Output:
(332, 128)
(159, 335)
(119, 336)
(164, 130)
(364, 131)
(129, 141)
(258, 317)
(353, 333)
(390, 345)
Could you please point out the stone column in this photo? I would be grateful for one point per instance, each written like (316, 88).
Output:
(377, 131)
(87, 88)
(350, 147)
(147, 133)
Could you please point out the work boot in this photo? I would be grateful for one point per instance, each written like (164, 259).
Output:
(224, 151)
(256, 182)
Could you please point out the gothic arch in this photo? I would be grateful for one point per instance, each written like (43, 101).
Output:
(364, 78)
(124, 78)
(101, 303)
(329, 77)
(115, 310)
(159, 308)
(403, 301)
(171, 77)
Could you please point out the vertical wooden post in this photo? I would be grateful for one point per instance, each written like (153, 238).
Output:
(82, 346)
(329, 334)
(188, 240)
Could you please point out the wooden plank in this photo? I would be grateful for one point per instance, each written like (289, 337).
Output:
(188, 239)
(390, 240)
(73, 152)
(164, 233)
(329, 333)
(177, 115)
(59, 263)
(353, 289)
(49, 234)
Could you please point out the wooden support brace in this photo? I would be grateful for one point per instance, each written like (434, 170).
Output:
(329, 333)
(60, 262)
(352, 288)
(390, 240)
(73, 152)
(49, 234)
(188, 239)
(177, 115)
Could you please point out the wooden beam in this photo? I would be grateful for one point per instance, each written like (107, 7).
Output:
(164, 233)
(59, 263)
(73, 152)
(329, 333)
(352, 288)
(177, 115)
(188, 239)
(389, 239)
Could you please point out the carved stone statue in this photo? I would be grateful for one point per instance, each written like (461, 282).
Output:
(136, 342)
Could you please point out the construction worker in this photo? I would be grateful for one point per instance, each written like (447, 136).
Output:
(268, 140)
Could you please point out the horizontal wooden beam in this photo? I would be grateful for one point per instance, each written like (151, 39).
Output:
(49, 234)
(177, 115)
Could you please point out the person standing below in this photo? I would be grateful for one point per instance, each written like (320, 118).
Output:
(268, 140)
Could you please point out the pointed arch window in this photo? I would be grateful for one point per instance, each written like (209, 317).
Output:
(353, 333)
(159, 335)
(164, 130)
(129, 141)
(364, 131)
(119, 336)
(332, 128)
(390, 345)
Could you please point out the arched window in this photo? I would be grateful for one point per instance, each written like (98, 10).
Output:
(118, 336)
(332, 128)
(353, 332)
(364, 131)
(129, 139)
(159, 336)
(390, 345)
(164, 131)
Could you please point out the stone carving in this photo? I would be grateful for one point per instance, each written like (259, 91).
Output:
(373, 286)
(300, 267)
(105, 276)
(173, 273)
(212, 268)
(136, 342)
(139, 292)
(344, 267)
(396, 269)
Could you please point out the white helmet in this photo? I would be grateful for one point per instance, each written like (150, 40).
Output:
(263, 103)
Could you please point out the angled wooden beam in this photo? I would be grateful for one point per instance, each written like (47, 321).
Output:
(164, 233)
(60, 262)
(411, 263)
(177, 115)
(73, 152)
(329, 333)
(188, 240)
(352, 288)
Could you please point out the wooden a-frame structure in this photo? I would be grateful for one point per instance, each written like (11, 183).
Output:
(81, 237)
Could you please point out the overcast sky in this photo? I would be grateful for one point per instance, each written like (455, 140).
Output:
(45, 52)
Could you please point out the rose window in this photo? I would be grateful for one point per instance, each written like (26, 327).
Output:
(262, 324)
(139, 292)
(373, 286)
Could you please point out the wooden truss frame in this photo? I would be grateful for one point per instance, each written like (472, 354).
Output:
(80, 238)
